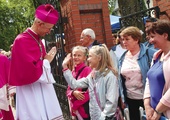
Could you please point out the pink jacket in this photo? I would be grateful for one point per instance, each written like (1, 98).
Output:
(166, 92)
(74, 103)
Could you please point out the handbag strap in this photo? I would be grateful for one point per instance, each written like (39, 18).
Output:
(83, 89)
(97, 99)
(79, 72)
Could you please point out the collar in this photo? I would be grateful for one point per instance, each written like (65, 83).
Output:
(33, 33)
(79, 66)
(156, 55)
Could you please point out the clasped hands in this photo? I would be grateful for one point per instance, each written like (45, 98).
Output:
(151, 114)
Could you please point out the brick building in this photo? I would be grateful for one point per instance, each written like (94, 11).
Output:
(81, 14)
(94, 14)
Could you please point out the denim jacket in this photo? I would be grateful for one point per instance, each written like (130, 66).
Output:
(144, 60)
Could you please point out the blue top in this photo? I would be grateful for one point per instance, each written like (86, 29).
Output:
(149, 45)
(156, 81)
(144, 59)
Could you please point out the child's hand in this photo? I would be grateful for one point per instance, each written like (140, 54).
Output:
(79, 95)
(66, 61)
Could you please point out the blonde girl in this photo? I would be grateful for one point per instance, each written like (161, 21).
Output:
(102, 83)
(79, 98)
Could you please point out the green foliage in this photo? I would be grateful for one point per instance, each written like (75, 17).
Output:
(16, 16)
(126, 4)
(131, 6)
(111, 4)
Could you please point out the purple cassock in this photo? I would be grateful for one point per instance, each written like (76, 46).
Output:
(25, 60)
(31, 73)
(5, 112)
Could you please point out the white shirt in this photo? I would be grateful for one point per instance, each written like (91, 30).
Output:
(131, 72)
(38, 101)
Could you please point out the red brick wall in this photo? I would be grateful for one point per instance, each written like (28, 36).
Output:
(83, 14)
(164, 6)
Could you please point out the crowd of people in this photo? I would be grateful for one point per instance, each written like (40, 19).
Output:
(130, 75)
(130, 65)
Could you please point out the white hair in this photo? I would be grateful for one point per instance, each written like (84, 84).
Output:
(90, 32)
(141, 32)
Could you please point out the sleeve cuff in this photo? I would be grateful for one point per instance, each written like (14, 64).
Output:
(65, 69)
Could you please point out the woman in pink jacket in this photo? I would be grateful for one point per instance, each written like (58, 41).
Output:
(79, 99)
(157, 90)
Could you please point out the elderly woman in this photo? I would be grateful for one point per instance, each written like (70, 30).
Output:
(133, 67)
(157, 90)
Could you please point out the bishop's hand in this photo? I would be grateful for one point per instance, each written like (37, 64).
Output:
(51, 54)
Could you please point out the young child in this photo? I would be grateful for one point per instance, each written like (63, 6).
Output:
(5, 108)
(102, 83)
(79, 98)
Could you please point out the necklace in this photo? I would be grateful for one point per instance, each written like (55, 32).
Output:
(39, 44)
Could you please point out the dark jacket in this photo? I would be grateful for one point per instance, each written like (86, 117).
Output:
(95, 43)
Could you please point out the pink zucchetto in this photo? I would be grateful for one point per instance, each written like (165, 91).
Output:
(47, 14)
